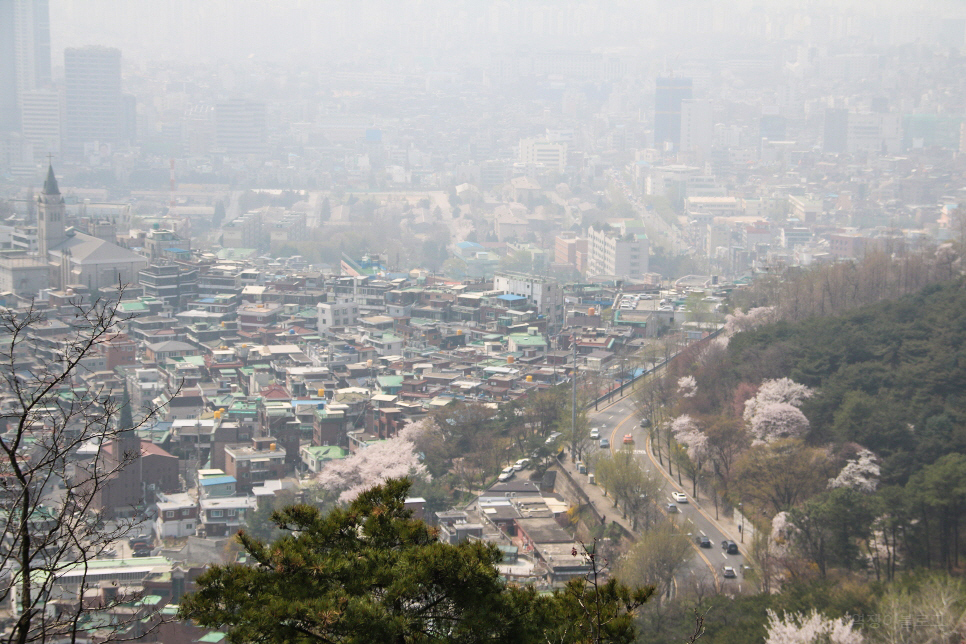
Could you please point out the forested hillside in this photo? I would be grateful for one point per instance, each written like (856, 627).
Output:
(843, 438)
(890, 376)
(850, 428)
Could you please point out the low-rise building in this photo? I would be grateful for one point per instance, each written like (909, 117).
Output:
(225, 515)
(177, 516)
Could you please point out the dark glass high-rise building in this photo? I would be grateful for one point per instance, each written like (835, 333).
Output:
(95, 112)
(667, 109)
(24, 55)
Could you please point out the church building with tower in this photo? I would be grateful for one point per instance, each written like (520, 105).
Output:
(74, 257)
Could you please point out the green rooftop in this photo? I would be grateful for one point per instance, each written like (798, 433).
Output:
(326, 452)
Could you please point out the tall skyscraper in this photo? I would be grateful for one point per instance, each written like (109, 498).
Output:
(697, 127)
(24, 55)
(667, 109)
(92, 76)
(40, 119)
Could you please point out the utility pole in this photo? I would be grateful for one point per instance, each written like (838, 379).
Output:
(573, 410)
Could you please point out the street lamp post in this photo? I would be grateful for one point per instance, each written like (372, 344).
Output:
(741, 526)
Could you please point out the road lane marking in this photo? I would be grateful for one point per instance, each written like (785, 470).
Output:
(697, 549)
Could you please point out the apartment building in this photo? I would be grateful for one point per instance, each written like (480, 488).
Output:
(619, 252)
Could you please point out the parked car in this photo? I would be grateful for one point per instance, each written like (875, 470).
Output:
(680, 497)
(506, 474)
(553, 437)
(522, 464)
(594, 433)
(140, 541)
(604, 443)
(703, 541)
(730, 547)
(728, 572)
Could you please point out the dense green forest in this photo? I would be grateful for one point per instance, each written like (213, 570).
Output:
(843, 436)
(890, 376)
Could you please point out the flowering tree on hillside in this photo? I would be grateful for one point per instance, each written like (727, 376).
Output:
(814, 628)
(740, 321)
(781, 390)
(860, 473)
(687, 386)
(778, 420)
(374, 465)
(773, 412)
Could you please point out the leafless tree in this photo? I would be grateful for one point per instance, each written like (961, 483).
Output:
(50, 525)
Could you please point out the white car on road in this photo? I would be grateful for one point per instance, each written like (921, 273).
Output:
(594, 433)
(680, 497)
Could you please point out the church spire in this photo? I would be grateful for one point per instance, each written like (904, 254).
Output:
(50, 184)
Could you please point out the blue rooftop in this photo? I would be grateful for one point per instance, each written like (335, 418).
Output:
(217, 480)
(510, 298)
(468, 244)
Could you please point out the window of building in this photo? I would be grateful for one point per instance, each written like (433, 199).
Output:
(216, 514)
(169, 514)
(186, 512)
(231, 512)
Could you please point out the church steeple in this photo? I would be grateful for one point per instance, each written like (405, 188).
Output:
(50, 184)
(50, 216)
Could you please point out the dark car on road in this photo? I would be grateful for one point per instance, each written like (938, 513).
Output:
(730, 547)
(703, 541)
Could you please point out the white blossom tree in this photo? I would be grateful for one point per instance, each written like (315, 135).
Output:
(778, 420)
(814, 628)
(773, 411)
(740, 321)
(860, 473)
(687, 386)
(393, 458)
(781, 390)
(687, 433)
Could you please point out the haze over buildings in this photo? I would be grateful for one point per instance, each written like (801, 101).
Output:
(334, 218)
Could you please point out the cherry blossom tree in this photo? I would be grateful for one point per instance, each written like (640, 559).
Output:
(778, 420)
(377, 463)
(740, 321)
(781, 390)
(687, 432)
(687, 386)
(814, 628)
(773, 412)
(781, 528)
(860, 473)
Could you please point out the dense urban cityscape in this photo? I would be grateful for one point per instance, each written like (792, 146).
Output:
(668, 298)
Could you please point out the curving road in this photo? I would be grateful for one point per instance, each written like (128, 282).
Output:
(621, 418)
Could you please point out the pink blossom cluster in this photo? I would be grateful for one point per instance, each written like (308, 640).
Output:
(773, 412)
(376, 463)
(796, 628)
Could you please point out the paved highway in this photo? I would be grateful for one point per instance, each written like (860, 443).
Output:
(621, 418)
